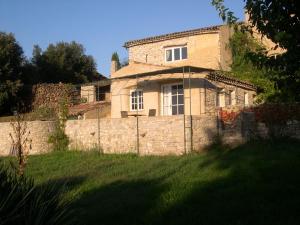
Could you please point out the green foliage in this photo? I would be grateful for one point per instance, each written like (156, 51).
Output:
(21, 202)
(276, 117)
(246, 185)
(63, 62)
(11, 60)
(226, 15)
(58, 138)
(43, 113)
(115, 57)
(242, 46)
(278, 21)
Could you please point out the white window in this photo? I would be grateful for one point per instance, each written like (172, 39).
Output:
(136, 100)
(176, 53)
(221, 99)
(232, 98)
(246, 98)
(172, 99)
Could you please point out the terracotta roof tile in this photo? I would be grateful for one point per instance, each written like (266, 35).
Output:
(85, 107)
(219, 76)
(171, 36)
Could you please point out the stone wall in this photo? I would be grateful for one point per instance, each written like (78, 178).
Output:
(49, 95)
(157, 135)
(213, 87)
(39, 133)
(203, 51)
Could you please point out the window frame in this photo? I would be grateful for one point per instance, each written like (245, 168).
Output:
(246, 99)
(137, 100)
(173, 53)
(170, 113)
(232, 98)
(219, 95)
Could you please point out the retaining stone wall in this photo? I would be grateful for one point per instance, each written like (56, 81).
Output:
(160, 135)
(39, 133)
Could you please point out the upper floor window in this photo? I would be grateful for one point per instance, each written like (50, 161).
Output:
(136, 100)
(176, 53)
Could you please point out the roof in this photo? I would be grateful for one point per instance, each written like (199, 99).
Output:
(219, 76)
(169, 36)
(138, 68)
(167, 70)
(212, 75)
(100, 83)
(85, 107)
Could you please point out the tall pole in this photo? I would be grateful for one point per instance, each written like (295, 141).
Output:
(98, 120)
(184, 134)
(137, 118)
(191, 122)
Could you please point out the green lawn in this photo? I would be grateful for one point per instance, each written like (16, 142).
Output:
(258, 183)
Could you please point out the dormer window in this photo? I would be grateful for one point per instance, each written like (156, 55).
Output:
(176, 53)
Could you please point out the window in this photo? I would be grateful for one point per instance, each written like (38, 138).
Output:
(221, 99)
(177, 99)
(136, 100)
(176, 53)
(232, 100)
(246, 98)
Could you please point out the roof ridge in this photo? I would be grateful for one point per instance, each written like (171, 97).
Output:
(173, 35)
(151, 64)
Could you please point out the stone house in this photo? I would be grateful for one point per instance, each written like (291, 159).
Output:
(94, 100)
(178, 73)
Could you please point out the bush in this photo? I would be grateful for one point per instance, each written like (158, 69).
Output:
(58, 137)
(21, 202)
(44, 113)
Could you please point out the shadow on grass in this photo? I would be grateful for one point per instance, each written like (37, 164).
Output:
(257, 183)
(262, 187)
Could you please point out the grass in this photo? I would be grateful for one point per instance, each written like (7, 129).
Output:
(257, 183)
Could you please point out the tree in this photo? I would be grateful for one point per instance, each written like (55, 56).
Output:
(64, 62)
(115, 57)
(11, 61)
(278, 20)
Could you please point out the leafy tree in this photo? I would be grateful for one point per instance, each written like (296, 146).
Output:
(242, 44)
(278, 20)
(64, 62)
(11, 61)
(115, 57)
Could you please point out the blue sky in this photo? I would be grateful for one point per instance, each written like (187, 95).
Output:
(103, 26)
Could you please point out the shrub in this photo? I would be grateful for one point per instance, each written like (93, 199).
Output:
(276, 117)
(21, 202)
(44, 113)
(58, 137)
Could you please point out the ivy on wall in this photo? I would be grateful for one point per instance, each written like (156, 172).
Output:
(245, 50)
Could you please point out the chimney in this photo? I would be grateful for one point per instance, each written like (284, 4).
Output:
(113, 67)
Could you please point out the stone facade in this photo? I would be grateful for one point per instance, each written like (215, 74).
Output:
(120, 135)
(39, 133)
(49, 95)
(203, 93)
(161, 135)
(206, 49)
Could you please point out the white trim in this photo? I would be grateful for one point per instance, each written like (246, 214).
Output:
(137, 100)
(232, 97)
(173, 53)
(246, 98)
(162, 97)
